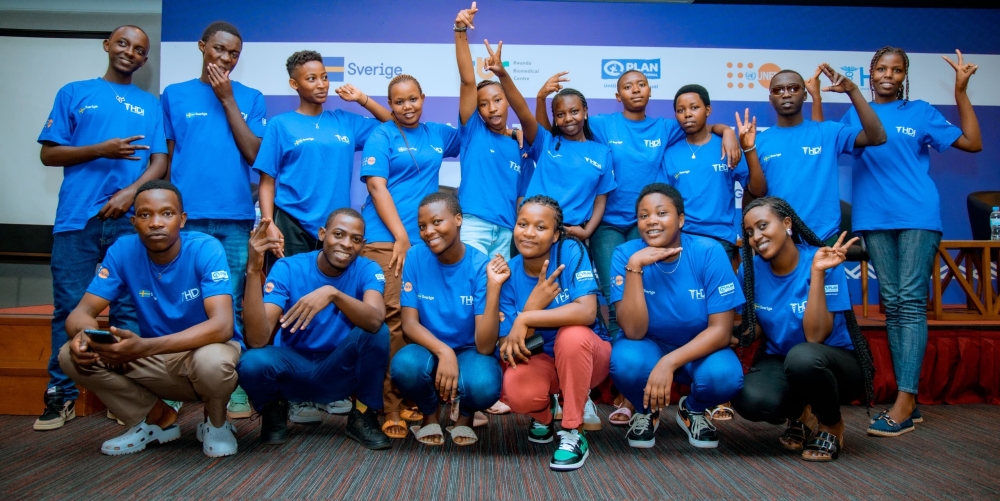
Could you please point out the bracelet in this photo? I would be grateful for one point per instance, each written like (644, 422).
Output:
(754, 147)
(630, 270)
(366, 101)
(460, 29)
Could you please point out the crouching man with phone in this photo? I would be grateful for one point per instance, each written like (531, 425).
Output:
(179, 283)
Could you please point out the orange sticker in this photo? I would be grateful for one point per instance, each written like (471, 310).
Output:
(501, 316)
(103, 273)
(407, 287)
(619, 280)
(269, 287)
(371, 160)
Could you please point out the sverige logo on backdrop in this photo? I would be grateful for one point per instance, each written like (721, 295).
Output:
(614, 68)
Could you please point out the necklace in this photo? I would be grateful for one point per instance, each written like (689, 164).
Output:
(159, 271)
(316, 123)
(676, 265)
(693, 151)
(121, 98)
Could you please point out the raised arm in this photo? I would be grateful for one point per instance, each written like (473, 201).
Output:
(56, 155)
(467, 95)
(488, 324)
(757, 185)
(246, 141)
(817, 321)
(972, 139)
(352, 94)
(553, 84)
(529, 127)
(812, 87)
(872, 133)
(260, 319)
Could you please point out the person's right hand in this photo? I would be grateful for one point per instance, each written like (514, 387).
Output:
(260, 242)
(465, 16)
(545, 290)
(274, 232)
(813, 85)
(399, 249)
(494, 62)
(747, 129)
(121, 148)
(651, 255)
(79, 351)
(512, 345)
(446, 378)
(553, 84)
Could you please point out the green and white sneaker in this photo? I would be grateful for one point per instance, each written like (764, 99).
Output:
(572, 452)
(539, 433)
(174, 404)
(239, 405)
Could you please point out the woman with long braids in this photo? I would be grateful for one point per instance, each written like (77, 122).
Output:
(675, 294)
(400, 166)
(813, 357)
(902, 243)
(551, 293)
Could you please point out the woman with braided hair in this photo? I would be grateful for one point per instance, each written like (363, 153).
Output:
(400, 166)
(675, 294)
(813, 357)
(902, 243)
(552, 293)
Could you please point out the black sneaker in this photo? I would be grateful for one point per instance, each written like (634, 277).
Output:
(57, 411)
(363, 427)
(642, 430)
(572, 452)
(539, 433)
(699, 428)
(274, 423)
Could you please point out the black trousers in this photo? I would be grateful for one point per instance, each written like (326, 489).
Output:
(779, 387)
(297, 239)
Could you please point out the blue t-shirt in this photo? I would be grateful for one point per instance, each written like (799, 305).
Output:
(294, 277)
(207, 166)
(636, 155)
(446, 296)
(168, 298)
(707, 185)
(781, 302)
(409, 177)
(680, 295)
(491, 173)
(800, 165)
(87, 112)
(518, 287)
(311, 165)
(574, 175)
(891, 188)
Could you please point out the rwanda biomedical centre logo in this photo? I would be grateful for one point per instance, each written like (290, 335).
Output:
(748, 75)
(614, 68)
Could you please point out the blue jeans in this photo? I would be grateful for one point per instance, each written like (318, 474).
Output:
(414, 368)
(489, 238)
(235, 236)
(356, 367)
(902, 260)
(76, 255)
(714, 379)
(602, 245)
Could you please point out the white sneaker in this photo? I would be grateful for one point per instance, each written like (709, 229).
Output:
(591, 421)
(217, 442)
(556, 408)
(304, 413)
(138, 437)
(340, 406)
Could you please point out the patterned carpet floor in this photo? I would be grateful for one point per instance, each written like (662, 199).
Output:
(952, 455)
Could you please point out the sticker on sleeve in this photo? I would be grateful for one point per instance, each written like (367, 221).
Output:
(219, 276)
(832, 289)
(619, 280)
(269, 287)
(380, 277)
(408, 287)
(103, 273)
(727, 289)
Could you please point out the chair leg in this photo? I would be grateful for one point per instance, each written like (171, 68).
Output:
(864, 289)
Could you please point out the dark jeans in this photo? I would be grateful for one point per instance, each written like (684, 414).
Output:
(297, 239)
(76, 255)
(414, 370)
(777, 388)
(356, 367)
(602, 245)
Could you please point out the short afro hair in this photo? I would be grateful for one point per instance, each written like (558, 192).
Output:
(696, 89)
(160, 184)
(665, 190)
(449, 200)
(220, 26)
(299, 58)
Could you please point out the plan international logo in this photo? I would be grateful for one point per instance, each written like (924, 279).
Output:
(614, 68)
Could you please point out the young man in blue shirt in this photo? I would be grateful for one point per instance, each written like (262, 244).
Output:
(214, 127)
(107, 135)
(332, 341)
(187, 350)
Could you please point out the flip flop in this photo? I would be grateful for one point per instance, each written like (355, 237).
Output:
(389, 423)
(621, 411)
(422, 433)
(462, 432)
(411, 415)
(718, 410)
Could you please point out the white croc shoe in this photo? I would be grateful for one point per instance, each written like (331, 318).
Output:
(138, 437)
(217, 442)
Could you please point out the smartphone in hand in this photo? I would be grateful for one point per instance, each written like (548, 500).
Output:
(100, 336)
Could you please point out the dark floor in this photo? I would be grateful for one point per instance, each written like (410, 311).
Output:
(952, 455)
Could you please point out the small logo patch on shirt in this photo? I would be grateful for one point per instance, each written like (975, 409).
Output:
(269, 287)
(381, 278)
(619, 280)
(103, 273)
(218, 276)
(501, 316)
(370, 160)
(145, 293)
(407, 287)
(727, 289)
(584, 275)
(831, 289)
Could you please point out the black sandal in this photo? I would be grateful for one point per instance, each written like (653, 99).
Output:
(824, 443)
(795, 435)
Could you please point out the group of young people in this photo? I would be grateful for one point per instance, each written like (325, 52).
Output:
(624, 235)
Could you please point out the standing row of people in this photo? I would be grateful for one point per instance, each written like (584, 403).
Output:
(351, 308)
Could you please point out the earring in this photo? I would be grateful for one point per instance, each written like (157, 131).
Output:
(789, 231)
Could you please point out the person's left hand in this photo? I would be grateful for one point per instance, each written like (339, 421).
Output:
(497, 270)
(838, 83)
(576, 232)
(118, 205)
(812, 85)
(828, 257)
(963, 71)
(299, 315)
(494, 63)
(731, 148)
(656, 395)
(221, 85)
(351, 94)
(128, 348)
(747, 129)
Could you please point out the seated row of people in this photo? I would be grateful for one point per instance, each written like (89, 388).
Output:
(532, 326)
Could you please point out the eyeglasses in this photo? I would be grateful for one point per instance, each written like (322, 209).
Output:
(792, 89)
